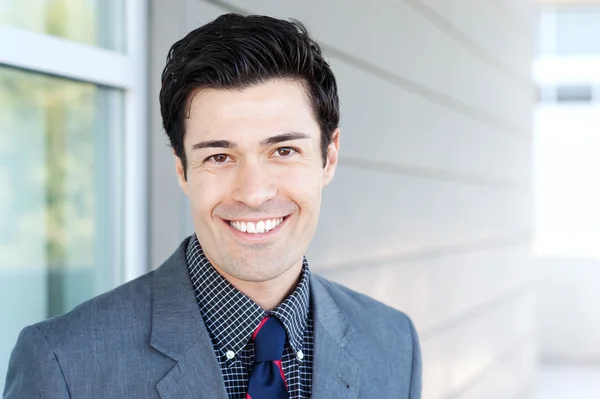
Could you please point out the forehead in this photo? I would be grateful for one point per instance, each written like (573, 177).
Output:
(275, 106)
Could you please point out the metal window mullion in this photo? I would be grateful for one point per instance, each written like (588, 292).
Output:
(135, 246)
(60, 57)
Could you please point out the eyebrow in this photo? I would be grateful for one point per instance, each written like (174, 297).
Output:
(214, 144)
(283, 137)
(280, 138)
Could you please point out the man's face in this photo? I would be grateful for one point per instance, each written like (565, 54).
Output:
(254, 177)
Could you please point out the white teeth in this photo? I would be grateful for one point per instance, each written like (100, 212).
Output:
(259, 227)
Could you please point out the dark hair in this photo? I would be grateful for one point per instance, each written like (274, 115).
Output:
(236, 51)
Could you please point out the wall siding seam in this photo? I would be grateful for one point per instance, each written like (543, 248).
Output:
(514, 20)
(508, 296)
(460, 107)
(503, 357)
(471, 45)
(435, 174)
(518, 238)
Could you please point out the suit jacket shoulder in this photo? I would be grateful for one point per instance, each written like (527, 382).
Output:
(84, 345)
(366, 313)
(380, 339)
(108, 314)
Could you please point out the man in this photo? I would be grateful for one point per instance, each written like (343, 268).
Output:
(251, 110)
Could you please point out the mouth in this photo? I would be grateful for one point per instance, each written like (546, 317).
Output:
(257, 229)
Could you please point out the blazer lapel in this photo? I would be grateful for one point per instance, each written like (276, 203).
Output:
(195, 376)
(178, 331)
(335, 372)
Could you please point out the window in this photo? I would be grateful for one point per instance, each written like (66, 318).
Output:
(578, 31)
(72, 155)
(94, 22)
(57, 163)
(568, 31)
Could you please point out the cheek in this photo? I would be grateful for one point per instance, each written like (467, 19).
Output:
(205, 194)
(303, 185)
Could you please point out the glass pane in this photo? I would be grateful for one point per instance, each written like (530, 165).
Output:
(60, 193)
(578, 30)
(94, 22)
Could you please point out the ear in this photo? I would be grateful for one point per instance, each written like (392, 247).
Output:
(181, 175)
(332, 157)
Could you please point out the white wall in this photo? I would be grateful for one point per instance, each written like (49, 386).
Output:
(568, 309)
(568, 231)
(430, 208)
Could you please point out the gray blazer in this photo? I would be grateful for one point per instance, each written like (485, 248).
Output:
(146, 339)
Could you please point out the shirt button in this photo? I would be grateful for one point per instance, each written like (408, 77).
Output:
(300, 355)
(230, 355)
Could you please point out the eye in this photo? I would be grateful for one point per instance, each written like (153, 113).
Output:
(218, 158)
(285, 152)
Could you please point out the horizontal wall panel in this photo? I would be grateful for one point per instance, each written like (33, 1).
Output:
(199, 12)
(457, 358)
(510, 378)
(481, 27)
(440, 292)
(369, 216)
(523, 12)
(569, 309)
(408, 134)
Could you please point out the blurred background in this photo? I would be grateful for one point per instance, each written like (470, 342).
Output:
(468, 193)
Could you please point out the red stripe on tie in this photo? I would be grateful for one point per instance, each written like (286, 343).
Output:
(262, 323)
(280, 367)
(248, 396)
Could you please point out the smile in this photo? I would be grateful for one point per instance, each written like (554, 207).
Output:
(258, 227)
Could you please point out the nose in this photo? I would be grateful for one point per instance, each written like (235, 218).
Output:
(254, 184)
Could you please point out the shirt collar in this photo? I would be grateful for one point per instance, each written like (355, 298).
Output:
(230, 316)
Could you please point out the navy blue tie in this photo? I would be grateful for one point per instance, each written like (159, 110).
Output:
(267, 380)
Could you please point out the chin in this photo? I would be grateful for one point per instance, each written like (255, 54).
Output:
(257, 270)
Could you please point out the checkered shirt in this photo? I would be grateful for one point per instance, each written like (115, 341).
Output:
(231, 318)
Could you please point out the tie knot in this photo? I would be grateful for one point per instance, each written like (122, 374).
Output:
(269, 339)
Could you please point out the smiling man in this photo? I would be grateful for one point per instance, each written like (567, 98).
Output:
(251, 110)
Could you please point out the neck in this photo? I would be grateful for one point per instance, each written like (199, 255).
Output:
(268, 294)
